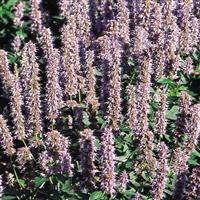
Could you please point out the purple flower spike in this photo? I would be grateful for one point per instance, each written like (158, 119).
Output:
(108, 163)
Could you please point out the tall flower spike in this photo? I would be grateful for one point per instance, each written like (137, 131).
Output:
(91, 97)
(188, 66)
(123, 21)
(194, 129)
(54, 95)
(194, 33)
(140, 41)
(12, 85)
(143, 90)
(180, 168)
(182, 118)
(66, 7)
(193, 190)
(6, 138)
(17, 43)
(108, 164)
(123, 180)
(184, 11)
(83, 21)
(58, 146)
(132, 110)
(70, 58)
(18, 14)
(44, 162)
(146, 160)
(159, 182)
(24, 156)
(106, 58)
(5, 74)
(87, 158)
(155, 21)
(114, 99)
(36, 16)
(32, 92)
(161, 123)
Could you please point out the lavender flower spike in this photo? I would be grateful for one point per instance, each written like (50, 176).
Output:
(143, 90)
(108, 163)
(12, 85)
(123, 21)
(70, 58)
(58, 145)
(32, 92)
(54, 94)
(123, 180)
(159, 181)
(114, 99)
(6, 138)
(36, 16)
(193, 191)
(87, 157)
(23, 157)
(5, 74)
(18, 14)
(16, 110)
(91, 97)
(194, 129)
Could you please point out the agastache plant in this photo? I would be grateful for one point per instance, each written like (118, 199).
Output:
(99, 99)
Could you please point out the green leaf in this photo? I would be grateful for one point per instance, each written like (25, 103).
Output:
(167, 81)
(67, 187)
(10, 3)
(97, 195)
(172, 113)
(38, 181)
(22, 182)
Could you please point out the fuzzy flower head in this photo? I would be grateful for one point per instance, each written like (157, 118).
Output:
(87, 157)
(18, 14)
(6, 138)
(58, 145)
(159, 181)
(70, 58)
(193, 190)
(30, 78)
(23, 157)
(108, 163)
(123, 180)
(36, 16)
